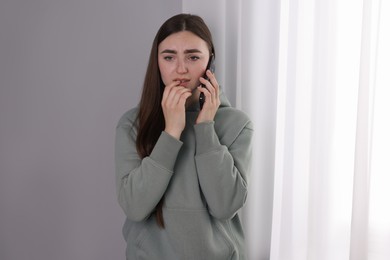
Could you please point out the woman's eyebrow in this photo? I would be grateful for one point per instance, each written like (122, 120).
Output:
(192, 51)
(186, 51)
(169, 51)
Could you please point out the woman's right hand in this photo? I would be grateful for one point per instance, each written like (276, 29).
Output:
(173, 106)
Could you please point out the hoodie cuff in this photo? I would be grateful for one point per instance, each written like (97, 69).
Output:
(206, 138)
(166, 150)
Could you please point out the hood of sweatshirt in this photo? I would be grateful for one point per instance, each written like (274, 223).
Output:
(224, 101)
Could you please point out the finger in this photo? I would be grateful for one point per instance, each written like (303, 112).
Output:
(208, 96)
(215, 85)
(208, 86)
(168, 89)
(213, 81)
(174, 96)
(183, 98)
(177, 93)
(171, 91)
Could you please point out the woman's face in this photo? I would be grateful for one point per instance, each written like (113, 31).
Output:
(183, 56)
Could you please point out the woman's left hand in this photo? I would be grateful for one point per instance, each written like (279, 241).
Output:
(212, 101)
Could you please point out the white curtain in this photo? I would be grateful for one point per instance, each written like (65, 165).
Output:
(314, 76)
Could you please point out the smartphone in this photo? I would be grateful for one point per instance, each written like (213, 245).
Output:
(211, 67)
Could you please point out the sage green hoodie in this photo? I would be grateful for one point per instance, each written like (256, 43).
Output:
(203, 178)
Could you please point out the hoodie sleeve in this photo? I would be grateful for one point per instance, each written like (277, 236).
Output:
(141, 183)
(222, 170)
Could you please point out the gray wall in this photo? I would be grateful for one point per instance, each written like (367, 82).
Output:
(68, 70)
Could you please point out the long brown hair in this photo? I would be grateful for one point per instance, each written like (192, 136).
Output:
(150, 119)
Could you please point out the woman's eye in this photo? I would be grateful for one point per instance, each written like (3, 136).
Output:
(194, 58)
(168, 58)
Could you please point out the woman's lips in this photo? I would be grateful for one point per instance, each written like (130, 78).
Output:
(183, 82)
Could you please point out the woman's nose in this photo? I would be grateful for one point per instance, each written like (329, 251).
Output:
(181, 67)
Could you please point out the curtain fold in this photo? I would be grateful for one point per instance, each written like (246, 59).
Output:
(379, 210)
(313, 76)
(362, 169)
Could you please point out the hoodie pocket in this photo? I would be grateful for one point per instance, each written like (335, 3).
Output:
(194, 234)
(146, 241)
(152, 243)
(188, 234)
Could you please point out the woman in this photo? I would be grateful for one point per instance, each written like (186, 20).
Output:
(181, 171)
